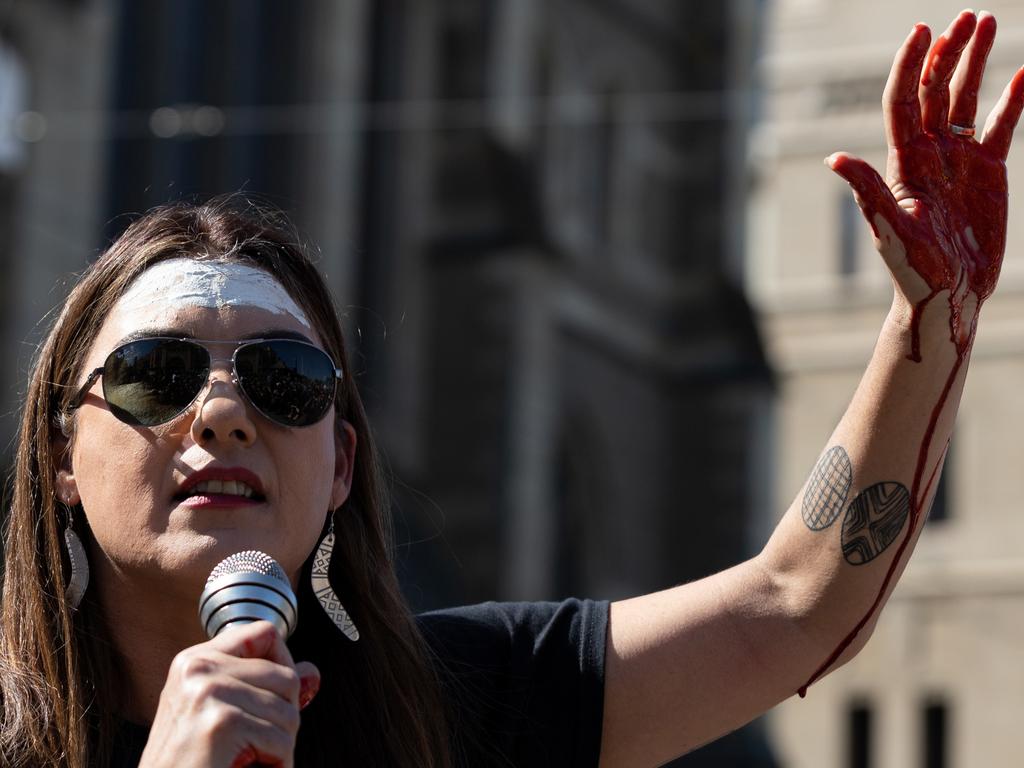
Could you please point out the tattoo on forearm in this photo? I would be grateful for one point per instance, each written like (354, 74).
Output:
(874, 520)
(827, 489)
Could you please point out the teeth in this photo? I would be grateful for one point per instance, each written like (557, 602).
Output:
(225, 487)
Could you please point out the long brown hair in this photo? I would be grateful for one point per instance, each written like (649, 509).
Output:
(380, 701)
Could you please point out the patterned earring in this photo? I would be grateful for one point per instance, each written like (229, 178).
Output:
(323, 590)
(79, 580)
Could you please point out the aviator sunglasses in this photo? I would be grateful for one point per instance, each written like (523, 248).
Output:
(153, 380)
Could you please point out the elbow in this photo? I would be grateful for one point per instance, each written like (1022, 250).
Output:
(824, 619)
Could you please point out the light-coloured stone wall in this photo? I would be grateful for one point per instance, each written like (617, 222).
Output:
(954, 628)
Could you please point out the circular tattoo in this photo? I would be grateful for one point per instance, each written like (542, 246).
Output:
(827, 489)
(874, 520)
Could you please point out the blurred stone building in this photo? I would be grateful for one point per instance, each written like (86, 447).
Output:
(941, 683)
(533, 213)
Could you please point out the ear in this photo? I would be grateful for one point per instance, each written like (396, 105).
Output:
(67, 486)
(344, 463)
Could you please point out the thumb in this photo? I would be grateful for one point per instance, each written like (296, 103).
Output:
(869, 189)
(879, 208)
(258, 640)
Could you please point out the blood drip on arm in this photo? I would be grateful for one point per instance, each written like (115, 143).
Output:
(962, 256)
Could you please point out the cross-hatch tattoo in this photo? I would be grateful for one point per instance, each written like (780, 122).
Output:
(874, 520)
(827, 489)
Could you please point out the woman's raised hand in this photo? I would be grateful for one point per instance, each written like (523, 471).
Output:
(939, 217)
(230, 702)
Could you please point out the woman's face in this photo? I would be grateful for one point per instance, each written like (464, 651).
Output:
(133, 482)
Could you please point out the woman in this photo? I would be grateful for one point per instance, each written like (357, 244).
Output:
(192, 401)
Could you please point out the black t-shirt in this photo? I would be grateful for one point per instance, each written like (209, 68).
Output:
(525, 682)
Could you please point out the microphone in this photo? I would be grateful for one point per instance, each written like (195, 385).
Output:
(246, 587)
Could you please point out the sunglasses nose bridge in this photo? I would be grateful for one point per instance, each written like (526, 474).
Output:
(219, 366)
(221, 381)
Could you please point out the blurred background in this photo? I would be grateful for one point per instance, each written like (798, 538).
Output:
(605, 301)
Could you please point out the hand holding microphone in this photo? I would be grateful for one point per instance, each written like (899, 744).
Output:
(235, 700)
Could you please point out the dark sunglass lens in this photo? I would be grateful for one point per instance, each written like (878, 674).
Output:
(151, 381)
(290, 382)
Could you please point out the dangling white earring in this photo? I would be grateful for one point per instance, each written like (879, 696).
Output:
(79, 580)
(323, 590)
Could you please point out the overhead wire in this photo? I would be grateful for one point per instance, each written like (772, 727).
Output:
(194, 120)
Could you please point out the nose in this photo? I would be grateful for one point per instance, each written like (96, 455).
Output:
(223, 414)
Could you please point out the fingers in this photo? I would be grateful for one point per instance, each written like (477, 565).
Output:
(250, 740)
(967, 77)
(872, 193)
(198, 667)
(1002, 120)
(309, 682)
(900, 103)
(257, 654)
(251, 712)
(266, 662)
(234, 693)
(938, 71)
(258, 640)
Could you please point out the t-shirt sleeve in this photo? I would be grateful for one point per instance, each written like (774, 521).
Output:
(524, 681)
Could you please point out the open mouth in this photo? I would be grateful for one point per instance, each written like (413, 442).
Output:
(221, 488)
(222, 484)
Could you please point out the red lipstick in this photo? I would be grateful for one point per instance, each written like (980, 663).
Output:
(221, 487)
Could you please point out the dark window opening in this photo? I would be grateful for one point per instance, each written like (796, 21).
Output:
(936, 736)
(858, 737)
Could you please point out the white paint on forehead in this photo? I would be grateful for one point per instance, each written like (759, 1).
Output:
(209, 284)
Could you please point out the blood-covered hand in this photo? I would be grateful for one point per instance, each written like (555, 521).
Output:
(939, 217)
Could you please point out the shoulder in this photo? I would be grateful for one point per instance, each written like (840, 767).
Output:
(525, 628)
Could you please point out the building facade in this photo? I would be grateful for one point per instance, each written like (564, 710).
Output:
(940, 682)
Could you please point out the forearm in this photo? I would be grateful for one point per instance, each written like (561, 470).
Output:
(836, 555)
(742, 640)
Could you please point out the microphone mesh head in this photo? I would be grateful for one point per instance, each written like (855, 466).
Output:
(250, 561)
